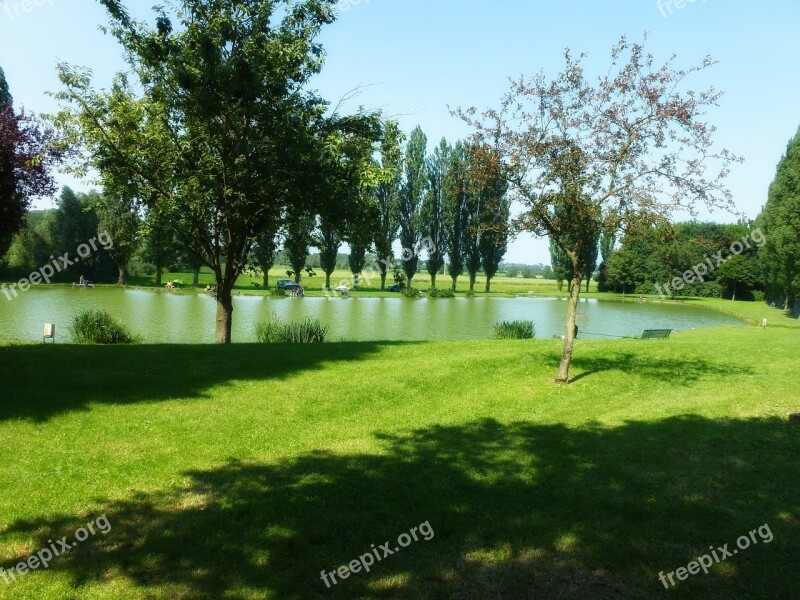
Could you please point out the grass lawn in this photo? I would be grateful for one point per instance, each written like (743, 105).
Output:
(244, 471)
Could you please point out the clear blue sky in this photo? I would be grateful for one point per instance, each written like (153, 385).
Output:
(418, 56)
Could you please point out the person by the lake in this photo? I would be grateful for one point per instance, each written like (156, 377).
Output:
(82, 280)
(169, 285)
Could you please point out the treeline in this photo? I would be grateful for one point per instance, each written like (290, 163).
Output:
(748, 260)
(651, 257)
(448, 209)
(448, 215)
(527, 271)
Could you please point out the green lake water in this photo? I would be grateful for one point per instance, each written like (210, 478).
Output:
(163, 317)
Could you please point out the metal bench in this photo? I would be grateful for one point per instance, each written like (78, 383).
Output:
(655, 334)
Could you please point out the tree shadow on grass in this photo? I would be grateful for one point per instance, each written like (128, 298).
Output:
(49, 380)
(667, 369)
(518, 511)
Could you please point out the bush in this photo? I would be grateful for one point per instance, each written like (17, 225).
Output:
(309, 331)
(759, 296)
(410, 292)
(469, 293)
(99, 327)
(514, 330)
(441, 293)
(278, 293)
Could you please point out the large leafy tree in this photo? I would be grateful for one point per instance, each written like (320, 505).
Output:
(432, 218)
(225, 85)
(29, 151)
(411, 197)
(586, 156)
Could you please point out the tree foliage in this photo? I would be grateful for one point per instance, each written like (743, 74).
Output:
(585, 157)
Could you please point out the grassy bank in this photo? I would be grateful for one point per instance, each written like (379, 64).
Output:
(243, 471)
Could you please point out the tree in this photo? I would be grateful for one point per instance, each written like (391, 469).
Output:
(328, 241)
(413, 191)
(239, 152)
(161, 246)
(590, 260)
(456, 214)
(561, 265)
(736, 273)
(299, 236)
(29, 150)
(432, 212)
(264, 253)
(586, 157)
(119, 217)
(495, 209)
(387, 194)
(74, 224)
(780, 222)
(473, 232)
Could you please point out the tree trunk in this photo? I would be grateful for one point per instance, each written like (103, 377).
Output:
(455, 280)
(408, 281)
(122, 274)
(733, 298)
(588, 281)
(265, 282)
(433, 280)
(224, 314)
(569, 334)
(383, 281)
(488, 284)
(158, 276)
(472, 277)
(196, 278)
(328, 280)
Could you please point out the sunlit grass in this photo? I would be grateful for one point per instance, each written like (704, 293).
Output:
(243, 471)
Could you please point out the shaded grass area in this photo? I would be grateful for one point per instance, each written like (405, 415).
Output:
(242, 472)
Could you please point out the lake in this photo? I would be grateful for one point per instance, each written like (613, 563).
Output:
(163, 317)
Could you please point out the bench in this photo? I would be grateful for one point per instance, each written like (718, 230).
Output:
(655, 334)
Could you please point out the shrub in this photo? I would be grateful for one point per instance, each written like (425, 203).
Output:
(410, 292)
(441, 293)
(99, 327)
(514, 330)
(278, 293)
(469, 293)
(309, 331)
(759, 296)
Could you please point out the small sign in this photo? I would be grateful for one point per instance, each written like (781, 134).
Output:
(49, 332)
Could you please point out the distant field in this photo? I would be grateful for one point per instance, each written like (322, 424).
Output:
(313, 285)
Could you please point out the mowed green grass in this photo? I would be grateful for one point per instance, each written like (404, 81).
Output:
(243, 471)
